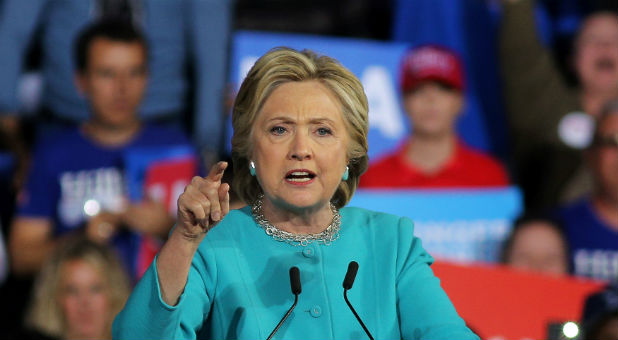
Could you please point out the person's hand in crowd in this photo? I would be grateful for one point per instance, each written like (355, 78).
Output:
(203, 204)
(148, 217)
(102, 227)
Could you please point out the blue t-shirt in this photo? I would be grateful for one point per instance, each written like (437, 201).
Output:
(73, 177)
(594, 244)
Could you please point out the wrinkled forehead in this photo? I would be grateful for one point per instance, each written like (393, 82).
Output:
(301, 101)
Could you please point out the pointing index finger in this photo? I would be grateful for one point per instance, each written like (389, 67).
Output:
(216, 172)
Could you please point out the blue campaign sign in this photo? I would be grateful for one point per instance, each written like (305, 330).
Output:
(377, 66)
(462, 225)
(138, 159)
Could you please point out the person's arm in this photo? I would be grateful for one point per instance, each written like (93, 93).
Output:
(30, 244)
(18, 21)
(537, 96)
(31, 237)
(425, 311)
(209, 30)
(173, 297)
(31, 240)
(148, 217)
(203, 204)
(146, 315)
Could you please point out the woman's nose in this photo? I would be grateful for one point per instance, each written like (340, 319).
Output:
(299, 149)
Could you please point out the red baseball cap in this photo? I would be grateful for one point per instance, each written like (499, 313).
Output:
(431, 62)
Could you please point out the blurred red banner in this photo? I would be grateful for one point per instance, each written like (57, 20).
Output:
(502, 303)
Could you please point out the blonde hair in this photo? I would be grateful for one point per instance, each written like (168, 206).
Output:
(282, 65)
(45, 313)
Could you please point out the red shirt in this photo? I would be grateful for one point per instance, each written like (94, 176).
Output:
(467, 168)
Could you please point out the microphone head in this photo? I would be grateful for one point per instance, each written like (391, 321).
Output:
(295, 280)
(350, 275)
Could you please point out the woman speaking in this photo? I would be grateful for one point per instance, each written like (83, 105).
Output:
(299, 146)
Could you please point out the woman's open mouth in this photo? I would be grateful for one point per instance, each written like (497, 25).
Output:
(300, 176)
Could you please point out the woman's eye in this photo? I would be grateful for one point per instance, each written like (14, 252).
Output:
(324, 131)
(277, 130)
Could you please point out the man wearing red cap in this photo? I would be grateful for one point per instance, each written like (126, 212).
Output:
(432, 82)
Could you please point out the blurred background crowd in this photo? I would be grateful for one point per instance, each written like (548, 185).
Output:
(109, 107)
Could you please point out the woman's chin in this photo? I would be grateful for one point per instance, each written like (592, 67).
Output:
(299, 202)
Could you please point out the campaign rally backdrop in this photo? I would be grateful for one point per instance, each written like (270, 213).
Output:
(376, 64)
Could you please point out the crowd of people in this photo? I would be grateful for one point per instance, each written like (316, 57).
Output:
(121, 76)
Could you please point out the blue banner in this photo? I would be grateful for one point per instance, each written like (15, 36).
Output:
(376, 64)
(461, 225)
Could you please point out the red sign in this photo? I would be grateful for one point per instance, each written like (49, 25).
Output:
(166, 180)
(501, 303)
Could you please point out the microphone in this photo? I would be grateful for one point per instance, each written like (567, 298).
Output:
(296, 289)
(350, 275)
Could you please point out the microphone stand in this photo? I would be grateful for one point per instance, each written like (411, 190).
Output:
(345, 296)
(284, 317)
(348, 281)
(296, 290)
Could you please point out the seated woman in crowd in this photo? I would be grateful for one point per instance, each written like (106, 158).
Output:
(78, 292)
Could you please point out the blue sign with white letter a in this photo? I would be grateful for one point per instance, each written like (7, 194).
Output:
(376, 64)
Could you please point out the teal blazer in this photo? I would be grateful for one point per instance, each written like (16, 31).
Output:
(239, 287)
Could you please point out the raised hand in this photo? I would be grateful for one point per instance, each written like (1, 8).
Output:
(204, 203)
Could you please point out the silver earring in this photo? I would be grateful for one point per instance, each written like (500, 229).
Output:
(252, 168)
(346, 174)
